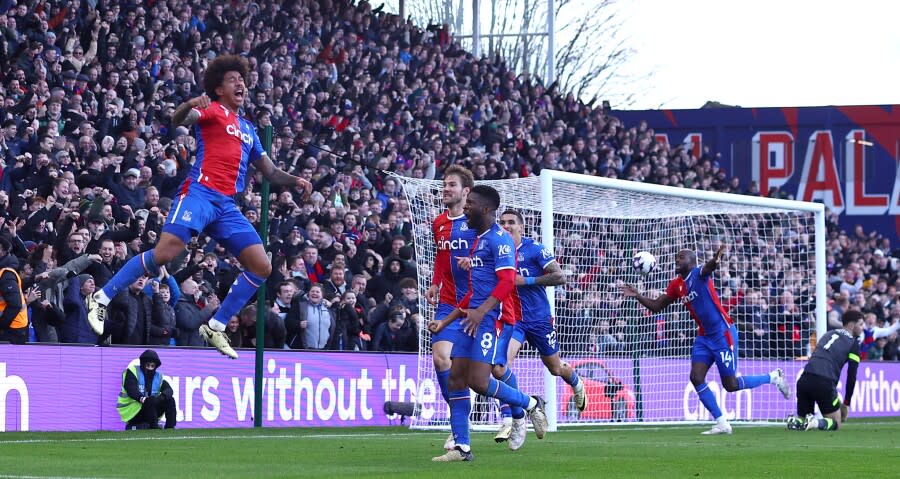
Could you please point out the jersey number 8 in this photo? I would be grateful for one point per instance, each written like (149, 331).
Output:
(487, 341)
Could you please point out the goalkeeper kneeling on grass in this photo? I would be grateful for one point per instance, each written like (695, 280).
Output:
(145, 396)
(817, 385)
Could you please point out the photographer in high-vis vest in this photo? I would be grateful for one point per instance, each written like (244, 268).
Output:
(13, 307)
(145, 396)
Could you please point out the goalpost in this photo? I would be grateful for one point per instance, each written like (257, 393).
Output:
(635, 364)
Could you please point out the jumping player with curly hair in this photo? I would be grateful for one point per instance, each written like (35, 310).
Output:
(227, 144)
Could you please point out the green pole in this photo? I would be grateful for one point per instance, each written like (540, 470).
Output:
(261, 293)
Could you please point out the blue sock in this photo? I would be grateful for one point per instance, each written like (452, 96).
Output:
(508, 395)
(443, 378)
(750, 382)
(137, 266)
(460, 407)
(708, 399)
(241, 290)
(506, 410)
(573, 380)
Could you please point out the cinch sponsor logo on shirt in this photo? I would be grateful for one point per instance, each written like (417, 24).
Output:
(689, 297)
(458, 243)
(236, 131)
(477, 262)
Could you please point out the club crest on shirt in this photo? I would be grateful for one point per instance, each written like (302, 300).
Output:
(186, 216)
(464, 227)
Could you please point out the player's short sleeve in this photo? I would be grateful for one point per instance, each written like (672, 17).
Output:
(206, 115)
(543, 256)
(504, 251)
(256, 149)
(435, 225)
(675, 289)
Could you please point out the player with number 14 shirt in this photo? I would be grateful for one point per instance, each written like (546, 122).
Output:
(717, 336)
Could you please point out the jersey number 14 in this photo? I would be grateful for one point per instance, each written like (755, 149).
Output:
(727, 357)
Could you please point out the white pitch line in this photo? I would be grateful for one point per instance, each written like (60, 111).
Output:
(191, 438)
(608, 430)
(805, 447)
(702, 425)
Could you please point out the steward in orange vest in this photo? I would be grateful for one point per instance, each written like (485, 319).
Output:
(13, 309)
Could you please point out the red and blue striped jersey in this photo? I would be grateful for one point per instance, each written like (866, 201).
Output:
(493, 251)
(453, 239)
(226, 144)
(867, 340)
(700, 298)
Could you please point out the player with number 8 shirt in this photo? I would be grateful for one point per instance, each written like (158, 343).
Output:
(717, 337)
(488, 313)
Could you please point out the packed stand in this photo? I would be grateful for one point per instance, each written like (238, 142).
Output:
(91, 164)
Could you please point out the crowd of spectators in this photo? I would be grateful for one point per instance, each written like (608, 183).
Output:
(90, 164)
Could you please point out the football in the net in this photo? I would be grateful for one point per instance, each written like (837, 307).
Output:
(643, 263)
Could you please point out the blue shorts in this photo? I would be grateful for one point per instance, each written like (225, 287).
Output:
(204, 210)
(453, 333)
(540, 334)
(491, 342)
(722, 350)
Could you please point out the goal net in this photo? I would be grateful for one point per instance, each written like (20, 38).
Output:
(635, 365)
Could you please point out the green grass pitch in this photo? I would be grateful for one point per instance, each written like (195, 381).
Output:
(863, 448)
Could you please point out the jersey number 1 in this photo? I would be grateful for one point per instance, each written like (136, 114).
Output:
(831, 341)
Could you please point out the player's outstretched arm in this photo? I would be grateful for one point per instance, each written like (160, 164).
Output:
(654, 305)
(281, 177)
(878, 333)
(712, 264)
(185, 114)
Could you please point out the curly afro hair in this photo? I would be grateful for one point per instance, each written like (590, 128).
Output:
(216, 70)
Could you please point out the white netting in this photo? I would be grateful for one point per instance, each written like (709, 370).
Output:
(636, 364)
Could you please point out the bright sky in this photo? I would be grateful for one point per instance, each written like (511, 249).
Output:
(765, 52)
